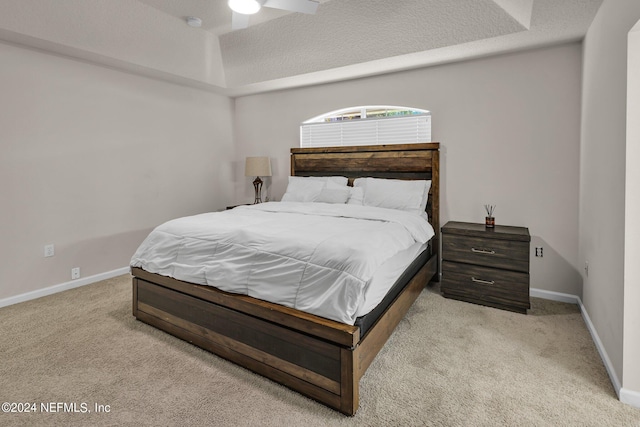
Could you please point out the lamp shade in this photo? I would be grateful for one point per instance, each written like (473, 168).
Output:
(257, 166)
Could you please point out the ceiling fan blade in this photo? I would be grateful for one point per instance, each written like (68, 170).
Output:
(302, 6)
(239, 21)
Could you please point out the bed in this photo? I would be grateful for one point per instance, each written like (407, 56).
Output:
(321, 358)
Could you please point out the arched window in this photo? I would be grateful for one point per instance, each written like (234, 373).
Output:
(369, 125)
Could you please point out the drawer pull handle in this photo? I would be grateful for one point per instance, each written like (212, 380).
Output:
(484, 282)
(482, 251)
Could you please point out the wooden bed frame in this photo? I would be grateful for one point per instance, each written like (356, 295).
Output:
(317, 357)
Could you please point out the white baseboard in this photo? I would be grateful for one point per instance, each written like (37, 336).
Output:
(626, 396)
(554, 296)
(63, 287)
(630, 397)
(603, 353)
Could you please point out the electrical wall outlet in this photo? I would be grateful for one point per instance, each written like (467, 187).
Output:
(49, 250)
(75, 273)
(539, 251)
(586, 268)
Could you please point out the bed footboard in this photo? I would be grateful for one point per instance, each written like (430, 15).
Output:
(297, 360)
(319, 358)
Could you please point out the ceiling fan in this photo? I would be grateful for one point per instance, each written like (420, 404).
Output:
(242, 9)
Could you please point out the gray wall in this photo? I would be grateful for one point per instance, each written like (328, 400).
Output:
(509, 127)
(91, 159)
(602, 175)
(631, 347)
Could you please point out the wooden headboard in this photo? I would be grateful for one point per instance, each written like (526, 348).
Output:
(402, 161)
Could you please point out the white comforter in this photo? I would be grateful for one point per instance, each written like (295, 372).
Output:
(315, 257)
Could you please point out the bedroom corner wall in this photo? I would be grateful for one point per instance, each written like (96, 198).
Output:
(91, 159)
(509, 127)
(602, 179)
(631, 346)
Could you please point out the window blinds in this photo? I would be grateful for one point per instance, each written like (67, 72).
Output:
(387, 130)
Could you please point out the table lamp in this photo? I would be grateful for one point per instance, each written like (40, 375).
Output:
(257, 166)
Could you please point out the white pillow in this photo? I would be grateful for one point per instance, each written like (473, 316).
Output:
(399, 194)
(335, 185)
(333, 195)
(425, 196)
(340, 180)
(356, 197)
(302, 189)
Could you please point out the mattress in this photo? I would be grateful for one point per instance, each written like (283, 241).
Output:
(365, 322)
(334, 261)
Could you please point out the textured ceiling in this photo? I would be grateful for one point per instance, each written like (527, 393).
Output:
(356, 31)
(344, 39)
(215, 14)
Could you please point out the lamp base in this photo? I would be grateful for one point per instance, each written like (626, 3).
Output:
(257, 185)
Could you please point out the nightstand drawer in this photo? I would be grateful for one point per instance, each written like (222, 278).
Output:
(489, 285)
(508, 254)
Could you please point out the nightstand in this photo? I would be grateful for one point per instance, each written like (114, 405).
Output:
(488, 266)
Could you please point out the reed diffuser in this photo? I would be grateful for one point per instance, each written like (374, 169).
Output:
(489, 220)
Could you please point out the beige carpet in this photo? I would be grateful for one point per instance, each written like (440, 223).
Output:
(449, 363)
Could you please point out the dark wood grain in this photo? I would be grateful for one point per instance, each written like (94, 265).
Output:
(507, 254)
(503, 286)
(350, 381)
(387, 147)
(486, 266)
(501, 232)
(184, 330)
(283, 343)
(363, 163)
(347, 335)
(402, 161)
(317, 357)
(433, 208)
